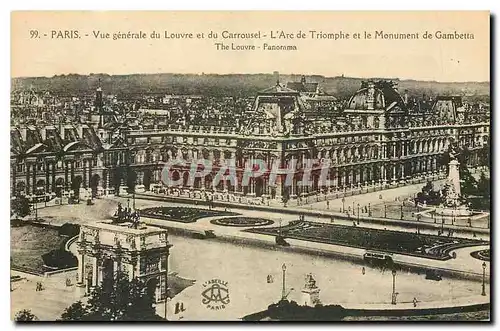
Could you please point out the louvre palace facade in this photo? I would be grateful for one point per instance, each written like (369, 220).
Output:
(377, 138)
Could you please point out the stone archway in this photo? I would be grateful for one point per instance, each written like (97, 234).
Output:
(146, 179)
(75, 186)
(94, 183)
(40, 187)
(185, 179)
(20, 188)
(131, 180)
(151, 287)
(108, 272)
(259, 186)
(59, 187)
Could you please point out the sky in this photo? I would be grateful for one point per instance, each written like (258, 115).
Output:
(40, 45)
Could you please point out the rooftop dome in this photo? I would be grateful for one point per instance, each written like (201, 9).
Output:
(376, 95)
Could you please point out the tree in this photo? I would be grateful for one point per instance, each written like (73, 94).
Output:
(25, 315)
(116, 299)
(75, 312)
(429, 195)
(484, 186)
(20, 207)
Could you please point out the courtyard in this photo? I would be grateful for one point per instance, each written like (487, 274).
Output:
(246, 267)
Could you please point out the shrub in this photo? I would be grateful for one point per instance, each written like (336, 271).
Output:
(69, 229)
(60, 259)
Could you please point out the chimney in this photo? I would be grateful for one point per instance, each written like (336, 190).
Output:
(23, 131)
(276, 75)
(43, 133)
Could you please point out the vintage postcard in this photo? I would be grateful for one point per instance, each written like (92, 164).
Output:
(250, 166)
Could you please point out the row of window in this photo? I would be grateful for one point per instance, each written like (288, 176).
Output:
(42, 166)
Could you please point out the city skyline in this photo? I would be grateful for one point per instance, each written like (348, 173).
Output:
(326, 76)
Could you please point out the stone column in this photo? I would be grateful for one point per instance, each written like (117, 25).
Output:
(47, 177)
(90, 171)
(28, 185)
(72, 170)
(34, 177)
(339, 177)
(95, 271)
(53, 168)
(81, 269)
(66, 175)
(84, 179)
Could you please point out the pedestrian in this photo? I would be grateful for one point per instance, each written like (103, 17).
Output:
(363, 271)
(415, 302)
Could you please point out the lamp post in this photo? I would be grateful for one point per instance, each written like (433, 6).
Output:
(402, 215)
(358, 213)
(483, 292)
(369, 210)
(283, 290)
(35, 204)
(343, 204)
(385, 210)
(393, 301)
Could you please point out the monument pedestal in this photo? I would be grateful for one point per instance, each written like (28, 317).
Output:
(310, 292)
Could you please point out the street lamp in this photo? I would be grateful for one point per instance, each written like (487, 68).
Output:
(385, 210)
(483, 293)
(358, 213)
(418, 221)
(393, 287)
(402, 215)
(283, 290)
(343, 204)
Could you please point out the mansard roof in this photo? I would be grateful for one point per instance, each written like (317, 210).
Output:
(376, 95)
(29, 140)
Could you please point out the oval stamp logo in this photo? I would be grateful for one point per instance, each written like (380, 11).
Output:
(215, 295)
